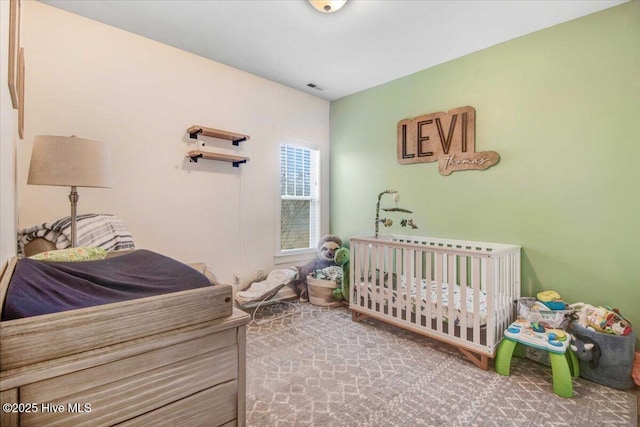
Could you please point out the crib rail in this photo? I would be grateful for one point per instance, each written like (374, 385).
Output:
(446, 245)
(460, 292)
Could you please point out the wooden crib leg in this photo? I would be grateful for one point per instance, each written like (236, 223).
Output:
(480, 360)
(356, 317)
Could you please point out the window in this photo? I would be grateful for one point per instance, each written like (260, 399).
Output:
(299, 201)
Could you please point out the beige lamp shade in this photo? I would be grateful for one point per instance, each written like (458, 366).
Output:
(69, 161)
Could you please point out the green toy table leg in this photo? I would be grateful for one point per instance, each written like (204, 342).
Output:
(562, 385)
(574, 365)
(520, 350)
(503, 356)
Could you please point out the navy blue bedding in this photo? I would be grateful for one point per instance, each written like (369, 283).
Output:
(44, 287)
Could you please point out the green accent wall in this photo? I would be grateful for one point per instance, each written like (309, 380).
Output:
(562, 108)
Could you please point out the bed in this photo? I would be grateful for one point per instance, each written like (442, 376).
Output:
(169, 359)
(459, 292)
(98, 230)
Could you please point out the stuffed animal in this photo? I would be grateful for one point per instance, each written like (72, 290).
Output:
(342, 259)
(580, 313)
(585, 349)
(327, 247)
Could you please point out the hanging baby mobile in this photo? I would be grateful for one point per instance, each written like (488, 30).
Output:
(388, 222)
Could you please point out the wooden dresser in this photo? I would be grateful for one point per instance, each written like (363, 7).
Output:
(175, 359)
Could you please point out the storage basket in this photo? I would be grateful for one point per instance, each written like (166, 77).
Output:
(321, 291)
(614, 364)
(550, 318)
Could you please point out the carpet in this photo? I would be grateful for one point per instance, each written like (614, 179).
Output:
(319, 368)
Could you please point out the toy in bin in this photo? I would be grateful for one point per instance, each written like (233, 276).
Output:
(601, 319)
(547, 309)
(551, 300)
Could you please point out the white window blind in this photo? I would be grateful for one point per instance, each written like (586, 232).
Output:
(299, 205)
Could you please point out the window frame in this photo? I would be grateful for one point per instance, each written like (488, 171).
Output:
(299, 254)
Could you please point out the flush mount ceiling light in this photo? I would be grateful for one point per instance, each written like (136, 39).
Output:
(327, 6)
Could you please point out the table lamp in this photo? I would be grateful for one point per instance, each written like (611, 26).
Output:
(70, 161)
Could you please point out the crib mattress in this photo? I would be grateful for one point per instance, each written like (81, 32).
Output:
(449, 311)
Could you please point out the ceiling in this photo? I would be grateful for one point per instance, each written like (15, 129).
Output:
(365, 44)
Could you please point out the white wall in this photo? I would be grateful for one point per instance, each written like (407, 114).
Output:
(8, 134)
(94, 81)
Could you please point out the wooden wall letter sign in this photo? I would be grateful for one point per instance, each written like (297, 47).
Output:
(447, 138)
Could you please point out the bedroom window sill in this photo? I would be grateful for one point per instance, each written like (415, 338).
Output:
(294, 257)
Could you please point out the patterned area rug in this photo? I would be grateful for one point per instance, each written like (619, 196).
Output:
(319, 368)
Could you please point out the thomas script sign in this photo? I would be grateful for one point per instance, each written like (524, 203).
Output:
(447, 138)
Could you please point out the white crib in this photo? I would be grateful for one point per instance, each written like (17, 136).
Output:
(460, 292)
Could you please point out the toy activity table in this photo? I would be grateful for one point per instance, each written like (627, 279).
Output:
(564, 363)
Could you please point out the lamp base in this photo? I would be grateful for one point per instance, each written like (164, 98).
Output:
(73, 198)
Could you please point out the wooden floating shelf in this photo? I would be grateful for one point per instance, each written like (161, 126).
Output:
(194, 155)
(235, 138)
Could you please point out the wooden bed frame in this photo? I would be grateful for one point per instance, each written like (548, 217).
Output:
(174, 359)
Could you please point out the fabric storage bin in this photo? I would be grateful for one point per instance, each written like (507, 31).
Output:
(550, 318)
(615, 363)
(321, 291)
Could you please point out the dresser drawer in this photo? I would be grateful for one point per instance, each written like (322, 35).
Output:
(209, 408)
(129, 387)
